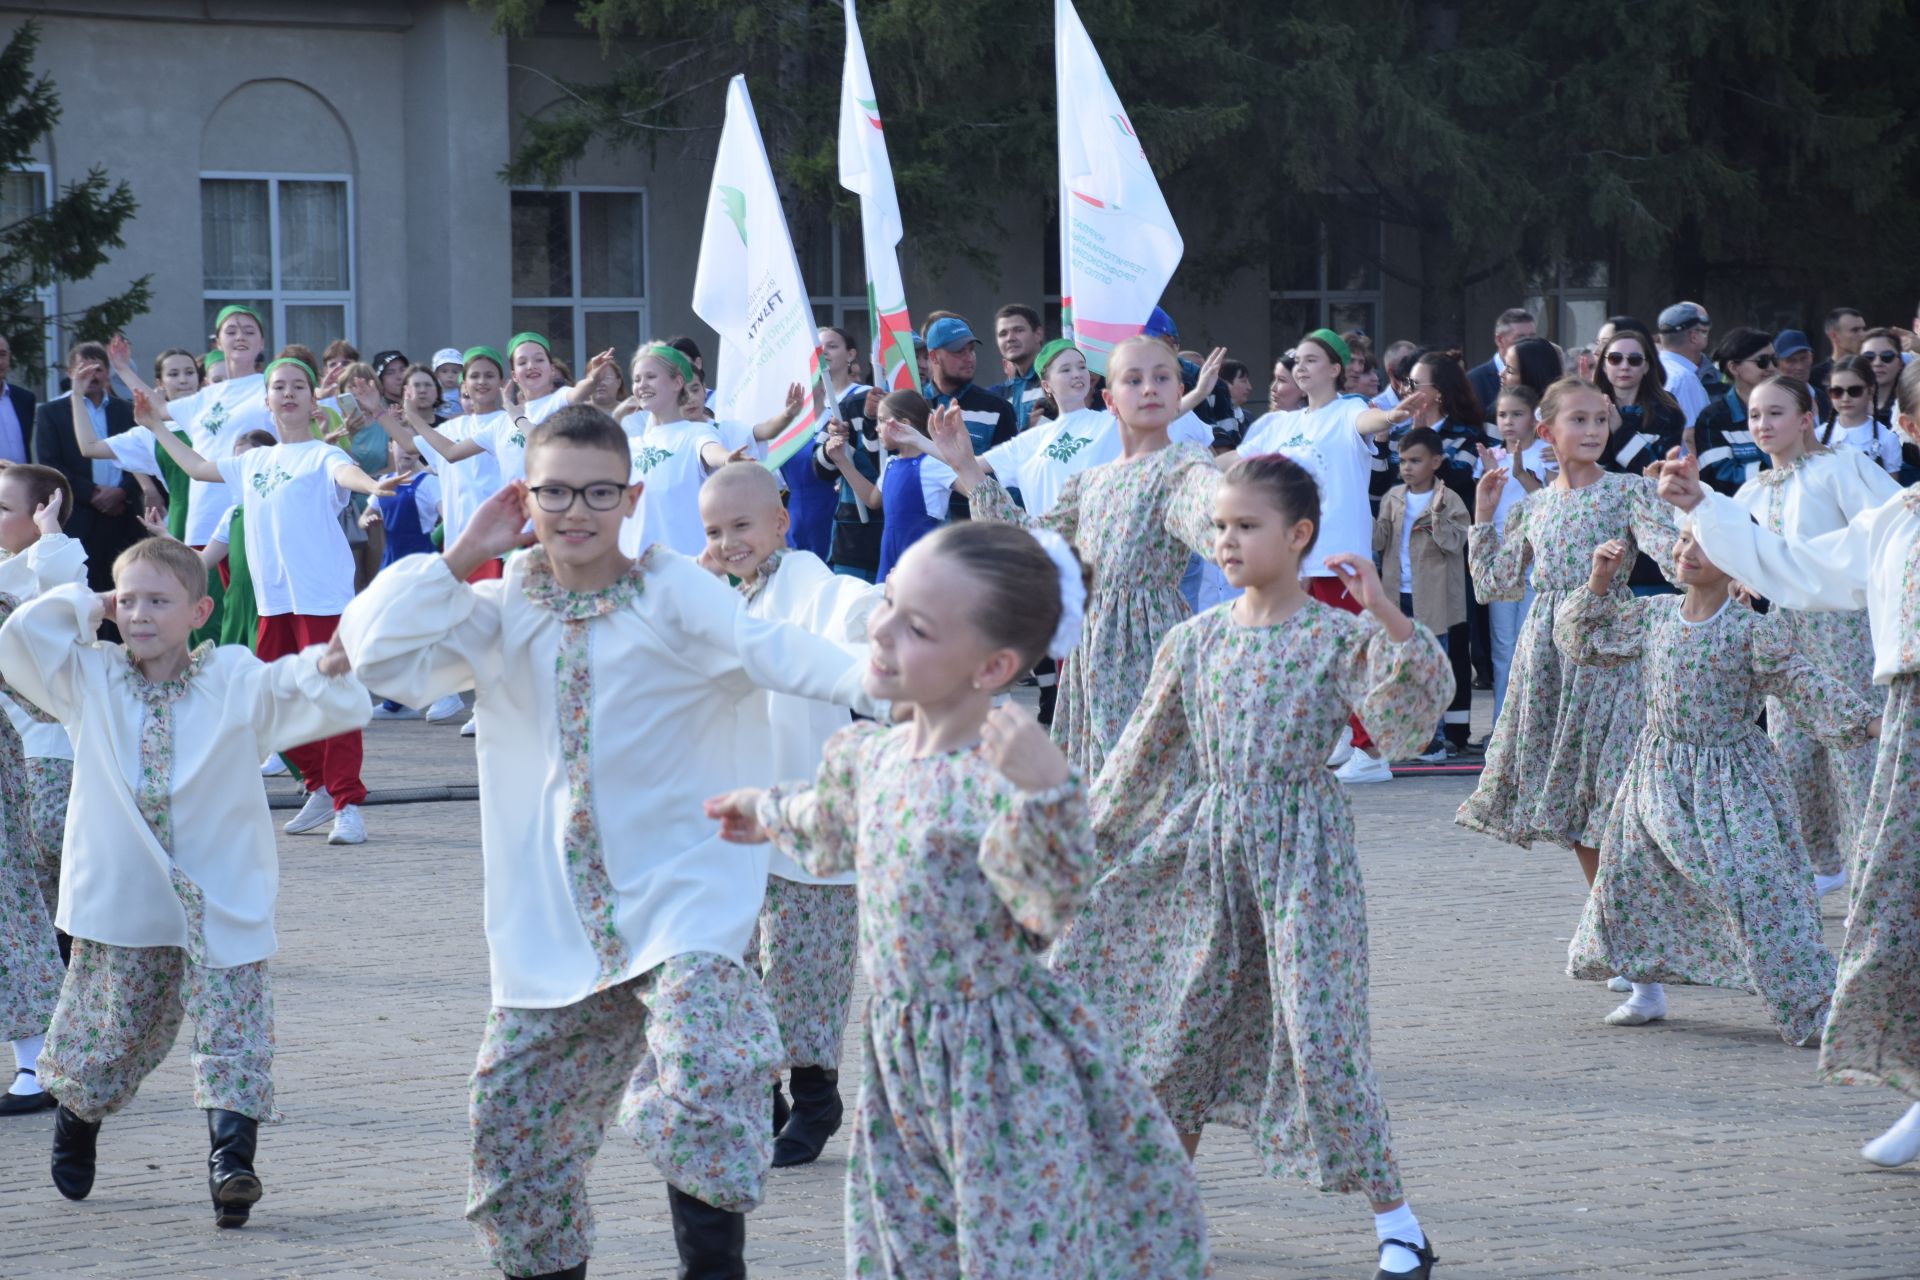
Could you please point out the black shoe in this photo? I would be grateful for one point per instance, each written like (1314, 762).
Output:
(712, 1242)
(780, 1109)
(25, 1104)
(230, 1176)
(578, 1271)
(1483, 683)
(73, 1146)
(817, 1110)
(1425, 1253)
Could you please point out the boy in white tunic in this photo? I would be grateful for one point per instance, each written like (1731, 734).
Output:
(607, 693)
(806, 942)
(167, 888)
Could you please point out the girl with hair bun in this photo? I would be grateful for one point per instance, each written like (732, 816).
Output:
(1227, 941)
(969, 832)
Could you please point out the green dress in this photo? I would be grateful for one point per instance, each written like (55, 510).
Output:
(176, 482)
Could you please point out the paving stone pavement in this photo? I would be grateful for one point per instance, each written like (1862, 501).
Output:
(1535, 1141)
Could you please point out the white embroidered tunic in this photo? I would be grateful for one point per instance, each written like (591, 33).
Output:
(53, 561)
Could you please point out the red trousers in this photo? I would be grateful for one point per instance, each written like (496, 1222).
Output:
(488, 569)
(331, 762)
(1333, 592)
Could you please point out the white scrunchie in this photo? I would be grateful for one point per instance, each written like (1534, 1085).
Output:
(1073, 593)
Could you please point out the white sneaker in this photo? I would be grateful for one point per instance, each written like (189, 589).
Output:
(274, 767)
(1619, 983)
(1824, 885)
(445, 709)
(383, 712)
(1343, 749)
(1639, 1010)
(1362, 768)
(347, 826)
(469, 729)
(1898, 1145)
(313, 814)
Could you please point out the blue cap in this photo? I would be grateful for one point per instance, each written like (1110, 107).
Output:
(1790, 342)
(1160, 325)
(950, 333)
(1682, 316)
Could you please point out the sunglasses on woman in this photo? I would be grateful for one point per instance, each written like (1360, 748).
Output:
(1759, 362)
(1846, 393)
(1882, 356)
(1631, 359)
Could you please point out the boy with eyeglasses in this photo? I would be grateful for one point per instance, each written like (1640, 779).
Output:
(608, 691)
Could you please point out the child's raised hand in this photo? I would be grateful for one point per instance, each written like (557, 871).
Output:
(366, 394)
(1417, 403)
(1677, 480)
(709, 559)
(1487, 491)
(1360, 578)
(872, 408)
(371, 516)
(143, 411)
(46, 516)
(1606, 562)
(119, 353)
(950, 440)
(1016, 745)
(499, 525)
(737, 812)
(104, 602)
(333, 660)
(154, 521)
(796, 396)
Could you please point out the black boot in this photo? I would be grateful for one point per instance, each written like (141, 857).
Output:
(73, 1140)
(816, 1117)
(230, 1175)
(780, 1109)
(578, 1271)
(712, 1242)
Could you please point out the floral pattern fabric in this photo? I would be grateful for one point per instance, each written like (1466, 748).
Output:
(1873, 1036)
(1135, 522)
(1227, 942)
(594, 897)
(997, 1133)
(1560, 748)
(683, 1055)
(50, 781)
(804, 947)
(120, 1010)
(30, 972)
(1703, 875)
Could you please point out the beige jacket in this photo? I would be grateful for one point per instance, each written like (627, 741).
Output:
(1437, 550)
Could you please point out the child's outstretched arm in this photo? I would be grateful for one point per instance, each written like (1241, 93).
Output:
(815, 823)
(1497, 558)
(120, 358)
(1038, 851)
(350, 477)
(1397, 681)
(300, 698)
(1832, 711)
(1595, 627)
(184, 455)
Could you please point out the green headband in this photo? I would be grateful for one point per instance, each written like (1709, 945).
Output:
(484, 353)
(238, 309)
(313, 379)
(672, 355)
(214, 357)
(1048, 352)
(529, 336)
(1335, 343)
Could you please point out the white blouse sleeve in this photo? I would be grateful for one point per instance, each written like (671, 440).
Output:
(417, 634)
(1857, 482)
(289, 703)
(44, 646)
(135, 450)
(53, 561)
(1827, 572)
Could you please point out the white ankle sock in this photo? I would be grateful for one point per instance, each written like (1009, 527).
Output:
(1898, 1145)
(1398, 1224)
(25, 1053)
(1647, 994)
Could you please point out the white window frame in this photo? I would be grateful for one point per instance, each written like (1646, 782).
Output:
(278, 297)
(580, 305)
(838, 304)
(1327, 298)
(52, 355)
(1548, 293)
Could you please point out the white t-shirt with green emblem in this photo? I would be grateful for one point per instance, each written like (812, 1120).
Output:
(666, 459)
(504, 435)
(296, 550)
(1038, 461)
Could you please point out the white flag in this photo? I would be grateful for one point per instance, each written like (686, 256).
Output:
(1118, 244)
(747, 285)
(866, 171)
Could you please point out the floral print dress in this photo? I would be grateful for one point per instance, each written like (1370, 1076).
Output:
(1703, 874)
(1815, 494)
(1135, 522)
(30, 971)
(1227, 943)
(1560, 747)
(997, 1133)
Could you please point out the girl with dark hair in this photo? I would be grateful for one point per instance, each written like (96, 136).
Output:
(1650, 421)
(1810, 490)
(1534, 363)
(1851, 392)
(1728, 456)
(1218, 783)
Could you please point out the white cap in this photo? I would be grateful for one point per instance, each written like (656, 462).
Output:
(447, 355)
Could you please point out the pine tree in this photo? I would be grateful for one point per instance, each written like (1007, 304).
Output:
(69, 239)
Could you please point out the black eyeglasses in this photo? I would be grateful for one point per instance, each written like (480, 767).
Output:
(1882, 356)
(1631, 359)
(602, 495)
(1846, 393)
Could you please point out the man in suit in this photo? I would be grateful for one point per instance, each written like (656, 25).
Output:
(106, 501)
(1514, 324)
(16, 411)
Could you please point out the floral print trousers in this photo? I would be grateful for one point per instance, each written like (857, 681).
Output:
(805, 945)
(50, 782)
(120, 1010)
(684, 1055)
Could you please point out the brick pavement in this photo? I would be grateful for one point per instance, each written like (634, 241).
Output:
(1535, 1141)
